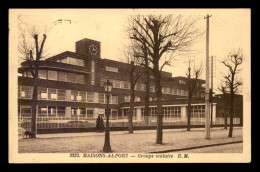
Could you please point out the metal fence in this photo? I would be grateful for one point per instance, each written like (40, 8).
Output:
(55, 123)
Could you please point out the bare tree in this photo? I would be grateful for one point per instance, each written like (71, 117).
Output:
(164, 37)
(31, 51)
(135, 72)
(225, 100)
(193, 86)
(232, 62)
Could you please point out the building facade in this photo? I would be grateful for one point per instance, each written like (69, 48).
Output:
(71, 86)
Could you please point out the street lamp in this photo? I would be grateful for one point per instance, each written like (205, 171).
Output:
(108, 87)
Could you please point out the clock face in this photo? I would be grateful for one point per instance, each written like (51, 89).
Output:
(93, 49)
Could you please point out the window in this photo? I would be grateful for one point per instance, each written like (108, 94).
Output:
(92, 66)
(42, 93)
(27, 74)
(61, 94)
(90, 97)
(198, 111)
(111, 69)
(114, 99)
(61, 111)
(73, 95)
(52, 95)
(52, 75)
(62, 76)
(127, 98)
(26, 92)
(92, 79)
(92, 73)
(80, 79)
(73, 111)
(51, 111)
(102, 81)
(42, 74)
(117, 84)
(114, 114)
(26, 111)
(42, 111)
(101, 98)
(82, 95)
(152, 89)
(71, 77)
(138, 87)
(137, 98)
(90, 113)
(82, 112)
(126, 85)
(182, 82)
(73, 61)
(175, 92)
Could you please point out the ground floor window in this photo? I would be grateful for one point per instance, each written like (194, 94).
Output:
(172, 112)
(198, 111)
(26, 111)
(90, 113)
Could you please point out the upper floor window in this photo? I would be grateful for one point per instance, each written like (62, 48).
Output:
(52, 75)
(73, 61)
(42, 74)
(182, 82)
(111, 69)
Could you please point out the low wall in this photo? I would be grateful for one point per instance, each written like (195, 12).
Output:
(77, 130)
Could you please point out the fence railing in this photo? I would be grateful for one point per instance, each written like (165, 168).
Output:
(55, 122)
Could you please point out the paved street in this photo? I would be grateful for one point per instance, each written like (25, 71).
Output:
(142, 141)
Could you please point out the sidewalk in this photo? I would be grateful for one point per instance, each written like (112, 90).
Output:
(142, 141)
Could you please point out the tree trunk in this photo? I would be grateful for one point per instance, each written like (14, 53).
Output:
(147, 94)
(231, 114)
(131, 108)
(131, 111)
(225, 125)
(189, 113)
(34, 109)
(159, 138)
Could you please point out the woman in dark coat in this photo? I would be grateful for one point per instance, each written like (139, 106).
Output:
(101, 124)
(98, 124)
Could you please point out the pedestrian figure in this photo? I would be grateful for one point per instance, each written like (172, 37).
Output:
(101, 125)
(98, 124)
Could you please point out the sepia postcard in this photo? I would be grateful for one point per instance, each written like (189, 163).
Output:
(129, 85)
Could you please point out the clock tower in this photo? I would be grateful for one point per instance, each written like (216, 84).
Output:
(88, 47)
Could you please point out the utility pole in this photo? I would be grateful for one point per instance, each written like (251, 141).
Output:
(207, 93)
(211, 94)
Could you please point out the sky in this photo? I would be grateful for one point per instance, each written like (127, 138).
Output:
(229, 30)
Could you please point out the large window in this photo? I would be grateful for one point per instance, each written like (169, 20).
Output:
(101, 98)
(114, 114)
(52, 111)
(73, 95)
(61, 94)
(42, 74)
(52, 95)
(127, 98)
(90, 96)
(111, 69)
(71, 77)
(172, 112)
(73, 61)
(80, 79)
(42, 111)
(26, 92)
(90, 113)
(81, 96)
(62, 76)
(126, 84)
(198, 111)
(42, 93)
(26, 111)
(52, 75)
(114, 99)
(61, 111)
